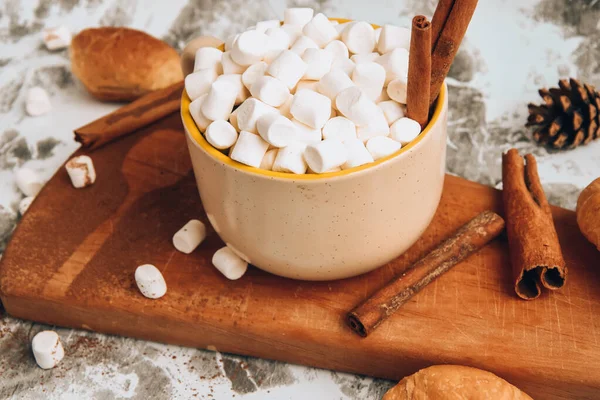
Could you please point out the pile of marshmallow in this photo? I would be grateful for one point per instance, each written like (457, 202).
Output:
(311, 95)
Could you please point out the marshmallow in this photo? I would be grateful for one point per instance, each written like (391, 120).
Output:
(270, 91)
(268, 159)
(397, 89)
(377, 34)
(250, 48)
(311, 108)
(253, 72)
(333, 83)
(345, 64)
(393, 37)
(291, 159)
(364, 58)
(263, 26)
(37, 102)
(383, 96)
(377, 126)
(208, 58)
(357, 154)
(297, 16)
(359, 37)
(236, 80)
(405, 130)
(339, 128)
(230, 41)
(249, 149)
(288, 68)
(320, 30)
(370, 77)
(24, 204)
(293, 31)
(250, 111)
(356, 106)
(56, 38)
(28, 181)
(318, 63)
(196, 112)
(338, 49)
(308, 85)
(382, 146)
(276, 130)
(81, 171)
(230, 66)
(284, 109)
(305, 134)
(341, 27)
(221, 134)
(395, 64)
(150, 281)
(391, 110)
(227, 262)
(189, 236)
(198, 83)
(325, 155)
(303, 43)
(233, 120)
(47, 349)
(334, 22)
(279, 40)
(220, 100)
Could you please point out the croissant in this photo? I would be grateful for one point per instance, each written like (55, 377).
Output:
(588, 212)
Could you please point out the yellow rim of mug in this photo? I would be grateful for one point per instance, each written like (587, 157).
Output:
(200, 140)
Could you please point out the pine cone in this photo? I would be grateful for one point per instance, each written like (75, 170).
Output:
(569, 116)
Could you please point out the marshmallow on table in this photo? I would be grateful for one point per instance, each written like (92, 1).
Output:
(37, 102)
(56, 38)
(357, 154)
(230, 66)
(47, 349)
(198, 83)
(291, 159)
(305, 134)
(391, 110)
(293, 31)
(377, 126)
(230, 41)
(311, 108)
(221, 134)
(344, 64)
(405, 130)
(397, 89)
(364, 58)
(338, 49)
(340, 128)
(253, 72)
(393, 37)
(288, 68)
(320, 30)
(382, 146)
(276, 130)
(354, 104)
(81, 171)
(250, 111)
(220, 100)
(325, 155)
(268, 159)
(227, 262)
(318, 63)
(250, 47)
(297, 16)
(333, 83)
(249, 149)
(270, 91)
(395, 64)
(28, 181)
(263, 26)
(150, 281)
(208, 58)
(279, 40)
(24, 204)
(309, 85)
(195, 111)
(369, 77)
(359, 37)
(303, 43)
(189, 236)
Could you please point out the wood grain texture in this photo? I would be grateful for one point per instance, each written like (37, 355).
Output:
(71, 262)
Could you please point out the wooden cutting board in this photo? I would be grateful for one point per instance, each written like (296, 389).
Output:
(72, 258)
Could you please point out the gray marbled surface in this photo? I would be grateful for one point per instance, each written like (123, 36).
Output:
(512, 48)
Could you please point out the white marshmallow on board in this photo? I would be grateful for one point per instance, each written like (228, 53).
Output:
(333, 83)
(354, 104)
(227, 262)
(208, 58)
(37, 102)
(340, 128)
(369, 77)
(221, 134)
(382, 146)
(357, 154)
(263, 26)
(270, 91)
(377, 126)
(268, 159)
(291, 159)
(293, 31)
(28, 181)
(311, 108)
(397, 89)
(150, 281)
(338, 49)
(288, 68)
(233, 120)
(276, 130)
(359, 37)
(303, 43)
(364, 58)
(253, 72)
(318, 63)
(279, 40)
(24, 204)
(47, 349)
(250, 111)
(220, 100)
(308, 85)
(56, 38)
(198, 83)
(236, 80)
(297, 16)
(320, 30)
(391, 110)
(405, 130)
(393, 37)
(395, 64)
(230, 66)
(189, 236)
(383, 96)
(250, 47)
(81, 171)
(249, 149)
(325, 155)
(284, 109)
(230, 41)
(196, 112)
(344, 64)
(305, 134)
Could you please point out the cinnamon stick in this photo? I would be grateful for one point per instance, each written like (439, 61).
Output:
(135, 115)
(535, 252)
(419, 71)
(472, 236)
(450, 22)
